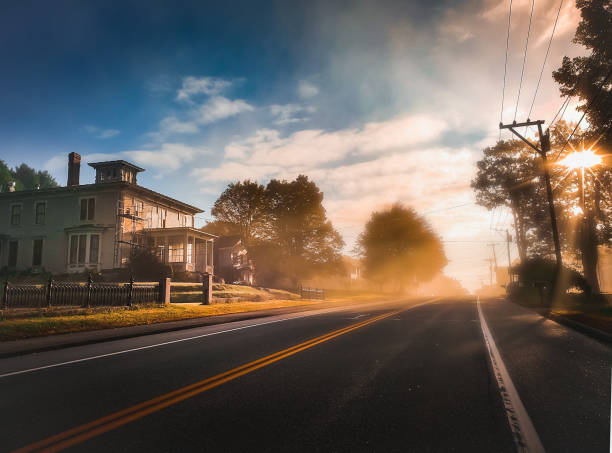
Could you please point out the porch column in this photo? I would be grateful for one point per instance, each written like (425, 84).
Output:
(166, 250)
(209, 253)
(185, 242)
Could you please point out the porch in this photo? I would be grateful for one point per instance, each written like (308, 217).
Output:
(185, 249)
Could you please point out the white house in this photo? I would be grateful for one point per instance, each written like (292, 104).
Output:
(95, 226)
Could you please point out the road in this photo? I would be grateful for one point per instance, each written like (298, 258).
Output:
(395, 376)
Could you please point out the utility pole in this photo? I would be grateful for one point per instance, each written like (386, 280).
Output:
(508, 240)
(493, 262)
(542, 150)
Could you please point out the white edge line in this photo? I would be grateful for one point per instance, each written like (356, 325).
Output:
(125, 351)
(525, 436)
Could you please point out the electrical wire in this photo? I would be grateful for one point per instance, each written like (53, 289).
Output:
(501, 113)
(563, 107)
(518, 97)
(545, 58)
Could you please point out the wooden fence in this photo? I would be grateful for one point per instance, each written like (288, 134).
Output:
(312, 293)
(83, 294)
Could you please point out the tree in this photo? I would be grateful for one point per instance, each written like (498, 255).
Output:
(584, 76)
(285, 228)
(221, 228)
(507, 177)
(399, 247)
(298, 227)
(25, 177)
(242, 204)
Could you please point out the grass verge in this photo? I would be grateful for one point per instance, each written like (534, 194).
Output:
(50, 324)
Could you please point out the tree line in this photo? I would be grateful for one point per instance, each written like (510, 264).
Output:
(285, 228)
(24, 177)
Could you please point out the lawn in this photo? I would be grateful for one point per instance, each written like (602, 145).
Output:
(49, 323)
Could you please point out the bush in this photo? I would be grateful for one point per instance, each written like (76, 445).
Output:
(146, 266)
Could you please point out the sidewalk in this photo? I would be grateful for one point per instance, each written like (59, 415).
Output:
(50, 342)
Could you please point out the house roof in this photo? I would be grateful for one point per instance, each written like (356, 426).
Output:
(110, 163)
(119, 185)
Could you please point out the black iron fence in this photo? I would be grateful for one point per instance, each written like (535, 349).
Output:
(312, 293)
(82, 294)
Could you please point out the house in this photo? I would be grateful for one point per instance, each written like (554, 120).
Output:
(96, 226)
(232, 261)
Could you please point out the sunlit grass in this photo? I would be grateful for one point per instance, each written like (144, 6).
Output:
(32, 326)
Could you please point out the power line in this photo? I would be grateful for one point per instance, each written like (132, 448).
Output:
(518, 97)
(501, 113)
(545, 58)
(563, 107)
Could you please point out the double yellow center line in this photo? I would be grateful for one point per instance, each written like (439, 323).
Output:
(102, 425)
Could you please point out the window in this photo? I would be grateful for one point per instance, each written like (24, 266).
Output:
(175, 252)
(79, 252)
(37, 249)
(41, 212)
(88, 208)
(16, 214)
(94, 247)
(13, 249)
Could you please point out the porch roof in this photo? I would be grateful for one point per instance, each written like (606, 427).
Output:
(175, 231)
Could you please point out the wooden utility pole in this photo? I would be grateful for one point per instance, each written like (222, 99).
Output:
(542, 150)
(508, 240)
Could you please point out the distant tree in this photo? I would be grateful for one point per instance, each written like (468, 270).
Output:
(399, 247)
(5, 176)
(583, 76)
(242, 204)
(25, 177)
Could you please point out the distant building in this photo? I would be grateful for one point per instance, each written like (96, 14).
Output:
(96, 226)
(232, 261)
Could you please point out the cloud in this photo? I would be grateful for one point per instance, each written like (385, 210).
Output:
(171, 125)
(102, 134)
(166, 157)
(316, 146)
(210, 86)
(307, 90)
(288, 113)
(218, 108)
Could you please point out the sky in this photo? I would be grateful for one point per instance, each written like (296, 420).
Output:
(377, 101)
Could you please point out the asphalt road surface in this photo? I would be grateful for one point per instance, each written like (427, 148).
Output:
(426, 375)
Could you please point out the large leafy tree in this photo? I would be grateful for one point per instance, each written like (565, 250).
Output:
(298, 226)
(400, 248)
(242, 204)
(285, 227)
(585, 76)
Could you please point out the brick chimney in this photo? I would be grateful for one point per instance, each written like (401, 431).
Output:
(74, 169)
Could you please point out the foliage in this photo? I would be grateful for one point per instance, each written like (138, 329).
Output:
(221, 228)
(146, 266)
(25, 177)
(242, 204)
(285, 227)
(509, 175)
(583, 76)
(399, 247)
